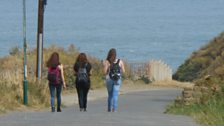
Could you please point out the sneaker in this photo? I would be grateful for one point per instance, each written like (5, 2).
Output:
(58, 109)
(113, 110)
(85, 110)
(52, 109)
(108, 110)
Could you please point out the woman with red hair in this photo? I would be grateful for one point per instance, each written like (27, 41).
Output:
(54, 65)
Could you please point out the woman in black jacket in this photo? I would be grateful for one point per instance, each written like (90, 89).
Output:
(82, 69)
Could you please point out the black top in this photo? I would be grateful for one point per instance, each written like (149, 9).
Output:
(76, 67)
(82, 64)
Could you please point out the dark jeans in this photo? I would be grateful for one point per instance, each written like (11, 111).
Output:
(58, 89)
(82, 91)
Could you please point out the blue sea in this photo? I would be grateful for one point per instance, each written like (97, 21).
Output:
(140, 30)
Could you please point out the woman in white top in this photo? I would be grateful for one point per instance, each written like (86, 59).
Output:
(113, 84)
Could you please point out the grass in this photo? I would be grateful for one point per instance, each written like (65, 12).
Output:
(207, 114)
(11, 90)
(211, 114)
(208, 60)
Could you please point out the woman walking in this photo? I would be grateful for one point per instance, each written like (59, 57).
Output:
(82, 69)
(56, 80)
(113, 69)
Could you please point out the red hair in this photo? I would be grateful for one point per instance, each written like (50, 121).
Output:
(53, 61)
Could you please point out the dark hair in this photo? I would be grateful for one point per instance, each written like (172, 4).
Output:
(111, 56)
(82, 58)
(53, 61)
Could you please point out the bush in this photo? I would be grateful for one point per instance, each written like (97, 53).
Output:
(14, 51)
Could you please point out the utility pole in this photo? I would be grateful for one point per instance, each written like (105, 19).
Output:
(40, 38)
(25, 82)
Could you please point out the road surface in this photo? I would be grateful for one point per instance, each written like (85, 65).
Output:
(145, 108)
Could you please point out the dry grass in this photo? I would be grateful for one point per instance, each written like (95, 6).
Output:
(11, 91)
(173, 83)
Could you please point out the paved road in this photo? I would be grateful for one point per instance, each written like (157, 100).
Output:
(135, 109)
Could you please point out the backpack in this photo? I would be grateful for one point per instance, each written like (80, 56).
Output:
(54, 75)
(115, 71)
(82, 75)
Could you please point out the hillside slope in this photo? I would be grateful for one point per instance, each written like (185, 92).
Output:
(208, 60)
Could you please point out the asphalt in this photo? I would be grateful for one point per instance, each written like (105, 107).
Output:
(145, 108)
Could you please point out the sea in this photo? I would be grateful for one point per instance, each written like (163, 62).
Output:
(140, 30)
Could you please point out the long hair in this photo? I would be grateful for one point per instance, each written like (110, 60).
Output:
(82, 58)
(53, 61)
(111, 56)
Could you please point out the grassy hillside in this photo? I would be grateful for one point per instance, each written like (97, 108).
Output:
(205, 101)
(209, 60)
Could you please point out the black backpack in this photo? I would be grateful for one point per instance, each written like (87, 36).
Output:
(82, 75)
(115, 71)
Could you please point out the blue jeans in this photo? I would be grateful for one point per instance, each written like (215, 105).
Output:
(113, 92)
(58, 89)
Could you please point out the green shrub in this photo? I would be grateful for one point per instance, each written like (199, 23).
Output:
(145, 79)
(14, 51)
